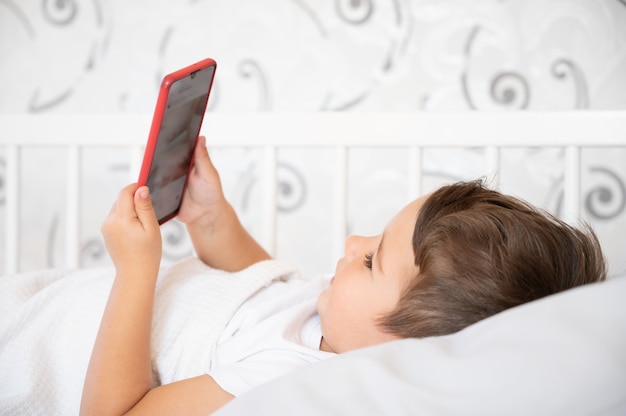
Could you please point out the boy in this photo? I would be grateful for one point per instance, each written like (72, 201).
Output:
(445, 261)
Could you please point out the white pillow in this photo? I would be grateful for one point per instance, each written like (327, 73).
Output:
(564, 354)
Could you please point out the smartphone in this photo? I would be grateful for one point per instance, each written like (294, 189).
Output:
(180, 108)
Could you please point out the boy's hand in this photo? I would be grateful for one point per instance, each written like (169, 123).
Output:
(132, 234)
(204, 199)
(218, 237)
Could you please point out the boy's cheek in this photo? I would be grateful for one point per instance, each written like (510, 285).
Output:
(322, 301)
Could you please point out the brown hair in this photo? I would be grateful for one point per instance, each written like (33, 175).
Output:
(480, 252)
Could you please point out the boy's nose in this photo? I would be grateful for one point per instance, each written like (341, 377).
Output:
(354, 244)
(350, 247)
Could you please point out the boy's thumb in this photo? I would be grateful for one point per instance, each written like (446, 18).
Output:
(144, 194)
(202, 161)
(143, 203)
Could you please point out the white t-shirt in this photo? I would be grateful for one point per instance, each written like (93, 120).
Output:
(275, 331)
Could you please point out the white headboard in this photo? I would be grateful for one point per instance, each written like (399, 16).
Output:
(341, 132)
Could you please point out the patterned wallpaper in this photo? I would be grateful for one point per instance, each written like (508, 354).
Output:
(94, 56)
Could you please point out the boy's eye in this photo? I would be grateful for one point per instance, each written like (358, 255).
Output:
(368, 260)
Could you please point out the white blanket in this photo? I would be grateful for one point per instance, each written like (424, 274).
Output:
(49, 321)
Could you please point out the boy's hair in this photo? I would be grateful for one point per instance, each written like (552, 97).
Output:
(480, 252)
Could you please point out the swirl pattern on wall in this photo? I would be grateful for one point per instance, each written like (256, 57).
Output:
(604, 201)
(355, 12)
(607, 200)
(251, 70)
(507, 89)
(563, 69)
(292, 188)
(61, 41)
(176, 244)
(93, 251)
(511, 90)
(60, 12)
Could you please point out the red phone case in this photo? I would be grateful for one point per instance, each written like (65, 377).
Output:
(160, 115)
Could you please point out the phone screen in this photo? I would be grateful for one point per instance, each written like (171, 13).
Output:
(180, 126)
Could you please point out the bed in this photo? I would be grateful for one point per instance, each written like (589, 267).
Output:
(562, 354)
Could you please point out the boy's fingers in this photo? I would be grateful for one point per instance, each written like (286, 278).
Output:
(124, 203)
(202, 161)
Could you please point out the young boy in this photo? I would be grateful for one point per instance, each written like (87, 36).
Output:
(446, 260)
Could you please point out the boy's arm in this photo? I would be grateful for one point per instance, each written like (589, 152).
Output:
(119, 371)
(224, 243)
(219, 238)
(194, 396)
(119, 376)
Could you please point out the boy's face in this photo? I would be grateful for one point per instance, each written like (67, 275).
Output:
(368, 283)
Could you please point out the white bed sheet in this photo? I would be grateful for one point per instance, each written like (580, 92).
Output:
(49, 320)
